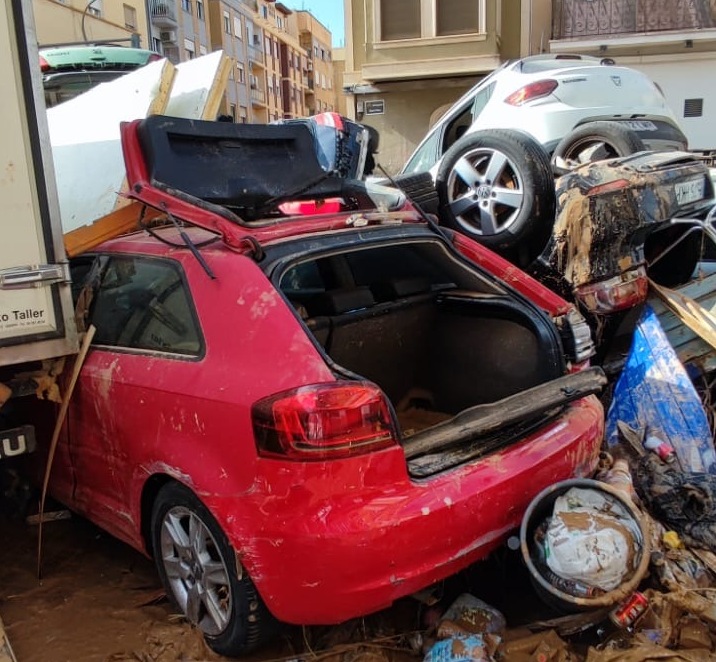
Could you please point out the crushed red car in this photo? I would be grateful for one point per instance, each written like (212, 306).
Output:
(306, 418)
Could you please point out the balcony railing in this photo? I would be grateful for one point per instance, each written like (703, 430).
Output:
(163, 13)
(258, 97)
(256, 55)
(598, 18)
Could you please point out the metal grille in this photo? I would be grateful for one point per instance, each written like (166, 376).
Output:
(593, 18)
(693, 107)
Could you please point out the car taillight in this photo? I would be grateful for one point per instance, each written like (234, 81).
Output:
(619, 293)
(536, 90)
(323, 422)
(609, 187)
(44, 64)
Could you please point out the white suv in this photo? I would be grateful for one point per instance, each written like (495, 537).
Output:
(489, 153)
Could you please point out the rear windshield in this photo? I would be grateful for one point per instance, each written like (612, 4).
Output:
(539, 66)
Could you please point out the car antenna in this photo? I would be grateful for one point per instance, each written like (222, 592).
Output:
(189, 243)
(426, 217)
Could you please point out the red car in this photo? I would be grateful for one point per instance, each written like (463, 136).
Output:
(307, 418)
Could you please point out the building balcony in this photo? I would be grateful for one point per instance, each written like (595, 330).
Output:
(587, 20)
(256, 56)
(258, 97)
(163, 13)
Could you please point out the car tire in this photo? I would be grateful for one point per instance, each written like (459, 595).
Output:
(225, 607)
(420, 189)
(497, 187)
(596, 141)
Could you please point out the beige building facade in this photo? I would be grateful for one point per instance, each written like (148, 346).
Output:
(407, 60)
(77, 21)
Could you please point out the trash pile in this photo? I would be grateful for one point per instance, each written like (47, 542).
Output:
(626, 560)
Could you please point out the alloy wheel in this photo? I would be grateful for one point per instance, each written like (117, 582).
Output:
(195, 570)
(485, 192)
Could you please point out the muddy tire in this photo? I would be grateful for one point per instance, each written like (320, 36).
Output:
(596, 141)
(198, 569)
(420, 188)
(497, 187)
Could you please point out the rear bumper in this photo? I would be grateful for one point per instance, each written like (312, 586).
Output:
(321, 556)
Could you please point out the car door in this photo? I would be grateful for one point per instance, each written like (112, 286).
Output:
(146, 348)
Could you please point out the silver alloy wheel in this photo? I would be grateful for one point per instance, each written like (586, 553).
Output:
(485, 191)
(196, 572)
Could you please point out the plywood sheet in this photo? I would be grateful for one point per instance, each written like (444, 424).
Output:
(199, 86)
(86, 148)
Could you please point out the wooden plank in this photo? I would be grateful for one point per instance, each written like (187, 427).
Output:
(6, 652)
(689, 346)
(120, 221)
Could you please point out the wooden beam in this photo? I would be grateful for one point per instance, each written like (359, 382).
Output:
(121, 221)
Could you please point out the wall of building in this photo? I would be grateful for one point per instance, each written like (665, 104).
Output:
(339, 68)
(406, 117)
(62, 22)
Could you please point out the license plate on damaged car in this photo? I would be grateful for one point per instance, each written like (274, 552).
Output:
(689, 191)
(17, 441)
(640, 125)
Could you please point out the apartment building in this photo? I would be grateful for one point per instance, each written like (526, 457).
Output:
(77, 21)
(315, 38)
(673, 42)
(406, 61)
(179, 28)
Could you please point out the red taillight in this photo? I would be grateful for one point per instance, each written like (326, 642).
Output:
(44, 64)
(536, 90)
(609, 187)
(619, 293)
(323, 421)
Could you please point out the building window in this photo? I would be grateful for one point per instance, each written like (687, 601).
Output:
(186, 5)
(414, 19)
(455, 17)
(267, 46)
(227, 23)
(202, 50)
(232, 111)
(242, 73)
(238, 31)
(156, 45)
(130, 17)
(189, 49)
(243, 114)
(200, 9)
(399, 19)
(264, 11)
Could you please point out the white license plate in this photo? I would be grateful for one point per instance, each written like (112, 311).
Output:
(690, 191)
(640, 125)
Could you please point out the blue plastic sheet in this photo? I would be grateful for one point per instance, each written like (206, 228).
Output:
(654, 390)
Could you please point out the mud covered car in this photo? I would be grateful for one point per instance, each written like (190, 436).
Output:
(306, 418)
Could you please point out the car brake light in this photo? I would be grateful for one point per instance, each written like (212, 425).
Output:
(608, 296)
(44, 64)
(324, 421)
(536, 90)
(609, 187)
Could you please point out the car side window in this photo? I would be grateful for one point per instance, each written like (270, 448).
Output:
(459, 126)
(426, 155)
(144, 303)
